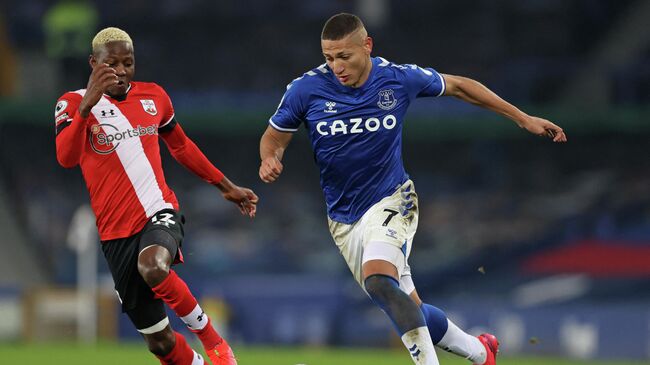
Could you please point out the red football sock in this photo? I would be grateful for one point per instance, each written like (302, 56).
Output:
(178, 297)
(181, 354)
(208, 336)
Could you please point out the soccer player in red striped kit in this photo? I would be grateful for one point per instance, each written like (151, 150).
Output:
(111, 130)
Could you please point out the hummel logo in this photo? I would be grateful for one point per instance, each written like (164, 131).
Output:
(330, 107)
(415, 351)
(110, 111)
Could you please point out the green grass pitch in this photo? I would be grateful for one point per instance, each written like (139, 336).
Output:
(136, 354)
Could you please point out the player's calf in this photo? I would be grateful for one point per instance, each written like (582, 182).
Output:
(181, 353)
(385, 292)
(405, 315)
(161, 343)
(176, 294)
(449, 337)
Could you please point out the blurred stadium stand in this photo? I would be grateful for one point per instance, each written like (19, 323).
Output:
(533, 239)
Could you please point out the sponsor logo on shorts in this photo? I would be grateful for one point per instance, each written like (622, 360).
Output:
(391, 233)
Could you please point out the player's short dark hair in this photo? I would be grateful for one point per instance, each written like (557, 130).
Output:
(340, 25)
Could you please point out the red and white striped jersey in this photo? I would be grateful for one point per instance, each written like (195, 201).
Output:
(119, 155)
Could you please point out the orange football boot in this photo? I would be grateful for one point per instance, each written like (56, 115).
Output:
(221, 354)
(491, 346)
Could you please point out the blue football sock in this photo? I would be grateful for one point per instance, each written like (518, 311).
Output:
(436, 321)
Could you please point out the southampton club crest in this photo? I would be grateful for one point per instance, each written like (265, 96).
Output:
(387, 99)
(149, 106)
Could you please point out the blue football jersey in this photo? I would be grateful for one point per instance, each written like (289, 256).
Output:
(356, 133)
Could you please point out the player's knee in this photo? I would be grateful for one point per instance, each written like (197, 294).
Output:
(402, 310)
(152, 270)
(381, 288)
(161, 343)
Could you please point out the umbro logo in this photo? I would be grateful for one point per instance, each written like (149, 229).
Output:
(329, 107)
(108, 113)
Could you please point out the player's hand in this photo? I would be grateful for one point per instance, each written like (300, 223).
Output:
(101, 78)
(544, 128)
(270, 169)
(244, 198)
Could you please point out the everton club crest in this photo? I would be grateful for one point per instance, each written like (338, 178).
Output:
(387, 99)
(149, 106)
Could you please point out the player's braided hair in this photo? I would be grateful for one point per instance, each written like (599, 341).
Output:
(110, 34)
(340, 25)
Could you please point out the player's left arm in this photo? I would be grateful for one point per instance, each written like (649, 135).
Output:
(476, 93)
(188, 154)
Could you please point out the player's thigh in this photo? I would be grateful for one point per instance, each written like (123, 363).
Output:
(389, 227)
(382, 237)
(386, 259)
(349, 241)
(121, 256)
(148, 316)
(137, 299)
(379, 267)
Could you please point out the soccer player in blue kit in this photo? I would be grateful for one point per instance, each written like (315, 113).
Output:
(353, 107)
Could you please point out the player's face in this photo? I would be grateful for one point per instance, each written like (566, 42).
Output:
(118, 55)
(349, 58)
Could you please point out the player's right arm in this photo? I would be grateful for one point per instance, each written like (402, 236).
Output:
(272, 147)
(71, 133)
(282, 124)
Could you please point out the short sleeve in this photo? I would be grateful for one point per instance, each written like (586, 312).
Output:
(422, 82)
(167, 109)
(291, 111)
